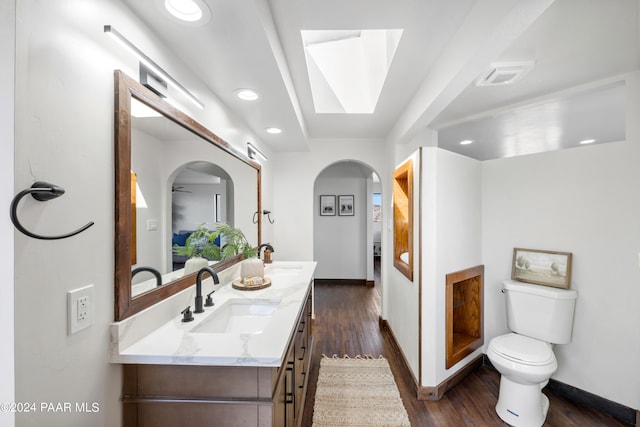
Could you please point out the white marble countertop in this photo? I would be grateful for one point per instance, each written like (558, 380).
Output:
(177, 343)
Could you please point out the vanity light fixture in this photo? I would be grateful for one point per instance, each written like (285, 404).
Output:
(247, 94)
(147, 62)
(587, 141)
(253, 152)
(154, 83)
(466, 142)
(273, 131)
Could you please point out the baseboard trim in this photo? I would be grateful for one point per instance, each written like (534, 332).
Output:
(574, 394)
(427, 393)
(436, 392)
(386, 329)
(616, 410)
(621, 412)
(346, 282)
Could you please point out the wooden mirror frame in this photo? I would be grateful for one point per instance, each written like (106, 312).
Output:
(125, 88)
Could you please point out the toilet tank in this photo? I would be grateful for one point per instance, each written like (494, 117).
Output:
(540, 312)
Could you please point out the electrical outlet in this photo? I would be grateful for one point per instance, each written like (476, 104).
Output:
(80, 304)
(152, 224)
(82, 308)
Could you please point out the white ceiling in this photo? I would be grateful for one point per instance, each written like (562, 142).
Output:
(581, 49)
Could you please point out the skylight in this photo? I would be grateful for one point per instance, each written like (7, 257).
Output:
(347, 69)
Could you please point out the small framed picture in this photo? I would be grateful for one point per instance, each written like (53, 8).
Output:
(327, 205)
(345, 205)
(549, 268)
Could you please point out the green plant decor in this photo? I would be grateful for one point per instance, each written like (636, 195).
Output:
(233, 242)
(201, 243)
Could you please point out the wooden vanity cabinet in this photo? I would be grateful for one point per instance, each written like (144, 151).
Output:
(222, 396)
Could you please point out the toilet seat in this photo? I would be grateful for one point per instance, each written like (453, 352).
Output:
(522, 349)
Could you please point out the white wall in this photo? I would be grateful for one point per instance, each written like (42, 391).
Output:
(294, 175)
(400, 298)
(583, 201)
(64, 134)
(196, 206)
(340, 241)
(447, 209)
(146, 163)
(450, 242)
(7, 64)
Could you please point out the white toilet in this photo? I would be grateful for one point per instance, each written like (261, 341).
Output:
(538, 317)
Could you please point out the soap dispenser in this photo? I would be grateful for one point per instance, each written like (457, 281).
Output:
(267, 256)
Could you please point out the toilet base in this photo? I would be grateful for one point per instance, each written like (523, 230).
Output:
(522, 405)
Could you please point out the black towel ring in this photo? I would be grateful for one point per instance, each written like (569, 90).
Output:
(41, 191)
(264, 212)
(268, 214)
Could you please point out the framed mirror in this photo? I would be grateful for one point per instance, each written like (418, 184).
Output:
(171, 176)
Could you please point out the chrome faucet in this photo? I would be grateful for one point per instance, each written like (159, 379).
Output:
(214, 276)
(265, 245)
(150, 270)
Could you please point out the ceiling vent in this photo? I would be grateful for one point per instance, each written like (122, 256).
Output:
(504, 73)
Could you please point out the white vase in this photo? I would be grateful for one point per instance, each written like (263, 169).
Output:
(195, 264)
(252, 267)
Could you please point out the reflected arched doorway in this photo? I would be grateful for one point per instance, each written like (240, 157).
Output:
(201, 193)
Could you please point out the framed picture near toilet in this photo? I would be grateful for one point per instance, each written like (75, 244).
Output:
(548, 268)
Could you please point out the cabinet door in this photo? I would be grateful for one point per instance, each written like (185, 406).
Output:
(280, 403)
(300, 353)
(290, 413)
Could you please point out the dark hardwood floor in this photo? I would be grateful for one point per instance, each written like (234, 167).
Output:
(346, 323)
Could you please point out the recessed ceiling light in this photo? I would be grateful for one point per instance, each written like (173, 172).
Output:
(247, 94)
(466, 142)
(587, 141)
(274, 130)
(188, 10)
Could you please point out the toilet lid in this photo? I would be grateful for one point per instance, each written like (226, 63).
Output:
(523, 349)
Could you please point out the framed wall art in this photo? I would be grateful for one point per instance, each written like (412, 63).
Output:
(345, 205)
(549, 268)
(327, 205)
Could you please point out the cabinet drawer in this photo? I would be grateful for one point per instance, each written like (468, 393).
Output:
(197, 381)
(172, 414)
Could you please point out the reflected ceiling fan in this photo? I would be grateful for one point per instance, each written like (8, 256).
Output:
(179, 189)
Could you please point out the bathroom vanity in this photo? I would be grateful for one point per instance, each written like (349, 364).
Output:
(243, 362)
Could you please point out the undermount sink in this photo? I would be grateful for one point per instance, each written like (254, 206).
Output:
(281, 270)
(239, 316)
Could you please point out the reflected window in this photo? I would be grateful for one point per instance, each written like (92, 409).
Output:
(377, 207)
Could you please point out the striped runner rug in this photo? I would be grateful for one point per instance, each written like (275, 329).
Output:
(359, 391)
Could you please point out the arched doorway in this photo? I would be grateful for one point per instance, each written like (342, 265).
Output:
(347, 234)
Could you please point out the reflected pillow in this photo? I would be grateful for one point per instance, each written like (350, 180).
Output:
(180, 239)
